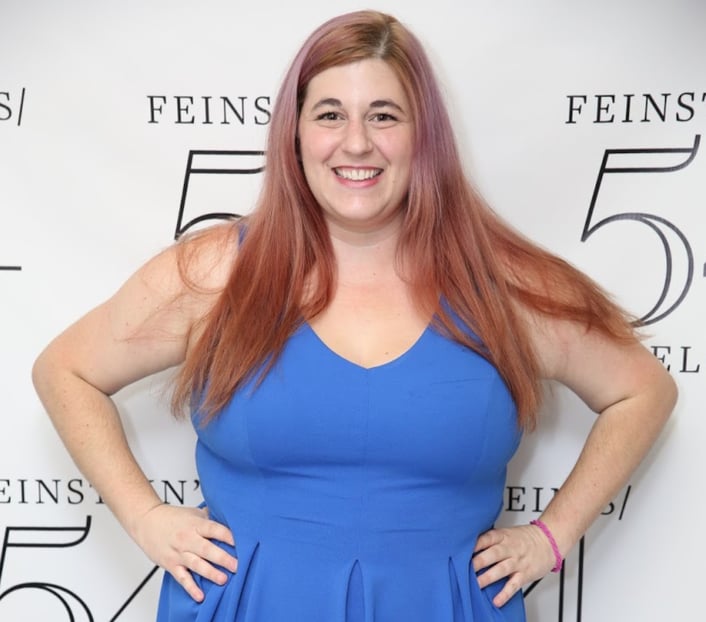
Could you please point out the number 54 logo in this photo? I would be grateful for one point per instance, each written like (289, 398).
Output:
(44, 599)
(622, 166)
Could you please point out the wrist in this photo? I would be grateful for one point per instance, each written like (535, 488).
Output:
(134, 523)
(558, 558)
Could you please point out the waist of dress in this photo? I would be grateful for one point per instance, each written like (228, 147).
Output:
(361, 534)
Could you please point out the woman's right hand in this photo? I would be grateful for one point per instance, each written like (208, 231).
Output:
(179, 539)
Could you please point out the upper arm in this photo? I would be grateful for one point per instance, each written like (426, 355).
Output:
(147, 325)
(601, 370)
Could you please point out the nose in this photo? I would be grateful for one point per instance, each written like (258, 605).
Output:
(356, 139)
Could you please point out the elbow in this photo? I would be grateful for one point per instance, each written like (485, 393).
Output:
(671, 395)
(40, 372)
(45, 371)
(664, 394)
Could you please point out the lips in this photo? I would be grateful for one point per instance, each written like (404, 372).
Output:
(357, 174)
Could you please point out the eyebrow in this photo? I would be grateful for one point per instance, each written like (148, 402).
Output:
(336, 103)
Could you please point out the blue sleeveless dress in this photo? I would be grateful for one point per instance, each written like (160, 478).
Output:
(354, 494)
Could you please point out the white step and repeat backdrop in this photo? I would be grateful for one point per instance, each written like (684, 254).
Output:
(123, 122)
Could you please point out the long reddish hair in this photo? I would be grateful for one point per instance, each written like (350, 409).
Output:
(457, 250)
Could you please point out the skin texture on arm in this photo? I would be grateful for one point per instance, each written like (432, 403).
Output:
(633, 395)
(143, 328)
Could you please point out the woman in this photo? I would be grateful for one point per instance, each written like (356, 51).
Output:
(361, 356)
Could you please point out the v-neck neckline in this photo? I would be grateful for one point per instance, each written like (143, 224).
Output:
(398, 359)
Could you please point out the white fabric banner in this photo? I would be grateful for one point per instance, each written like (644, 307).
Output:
(123, 122)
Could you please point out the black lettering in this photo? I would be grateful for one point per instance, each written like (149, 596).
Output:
(650, 101)
(4, 494)
(22, 105)
(75, 486)
(227, 104)
(684, 362)
(266, 111)
(600, 108)
(154, 108)
(682, 104)
(609, 510)
(625, 502)
(5, 107)
(628, 102)
(22, 490)
(512, 498)
(207, 109)
(179, 495)
(99, 499)
(184, 108)
(573, 108)
(661, 358)
(53, 495)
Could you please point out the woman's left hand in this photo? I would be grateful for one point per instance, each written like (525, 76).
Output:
(522, 554)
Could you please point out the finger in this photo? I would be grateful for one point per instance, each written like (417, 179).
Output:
(485, 559)
(215, 531)
(204, 569)
(183, 577)
(496, 572)
(488, 539)
(512, 586)
(490, 556)
(216, 555)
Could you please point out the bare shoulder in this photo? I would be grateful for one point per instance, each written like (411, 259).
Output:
(599, 368)
(179, 285)
(148, 324)
(204, 259)
(552, 340)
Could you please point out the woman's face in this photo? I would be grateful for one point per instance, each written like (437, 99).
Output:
(356, 143)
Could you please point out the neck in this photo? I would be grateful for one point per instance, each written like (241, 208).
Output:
(365, 256)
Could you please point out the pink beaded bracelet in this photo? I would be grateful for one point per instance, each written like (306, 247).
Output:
(557, 555)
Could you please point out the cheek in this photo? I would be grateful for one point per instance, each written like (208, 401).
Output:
(308, 161)
(315, 146)
(398, 150)
(403, 166)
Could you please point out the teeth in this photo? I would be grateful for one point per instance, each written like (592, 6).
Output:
(358, 174)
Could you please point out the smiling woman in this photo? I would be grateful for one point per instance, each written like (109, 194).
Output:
(356, 147)
(361, 356)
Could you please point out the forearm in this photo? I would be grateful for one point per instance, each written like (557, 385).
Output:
(619, 440)
(89, 425)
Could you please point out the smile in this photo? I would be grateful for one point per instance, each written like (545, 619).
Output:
(357, 174)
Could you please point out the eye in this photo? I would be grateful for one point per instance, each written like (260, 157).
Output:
(329, 115)
(382, 117)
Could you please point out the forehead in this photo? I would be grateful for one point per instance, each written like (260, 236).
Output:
(369, 79)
